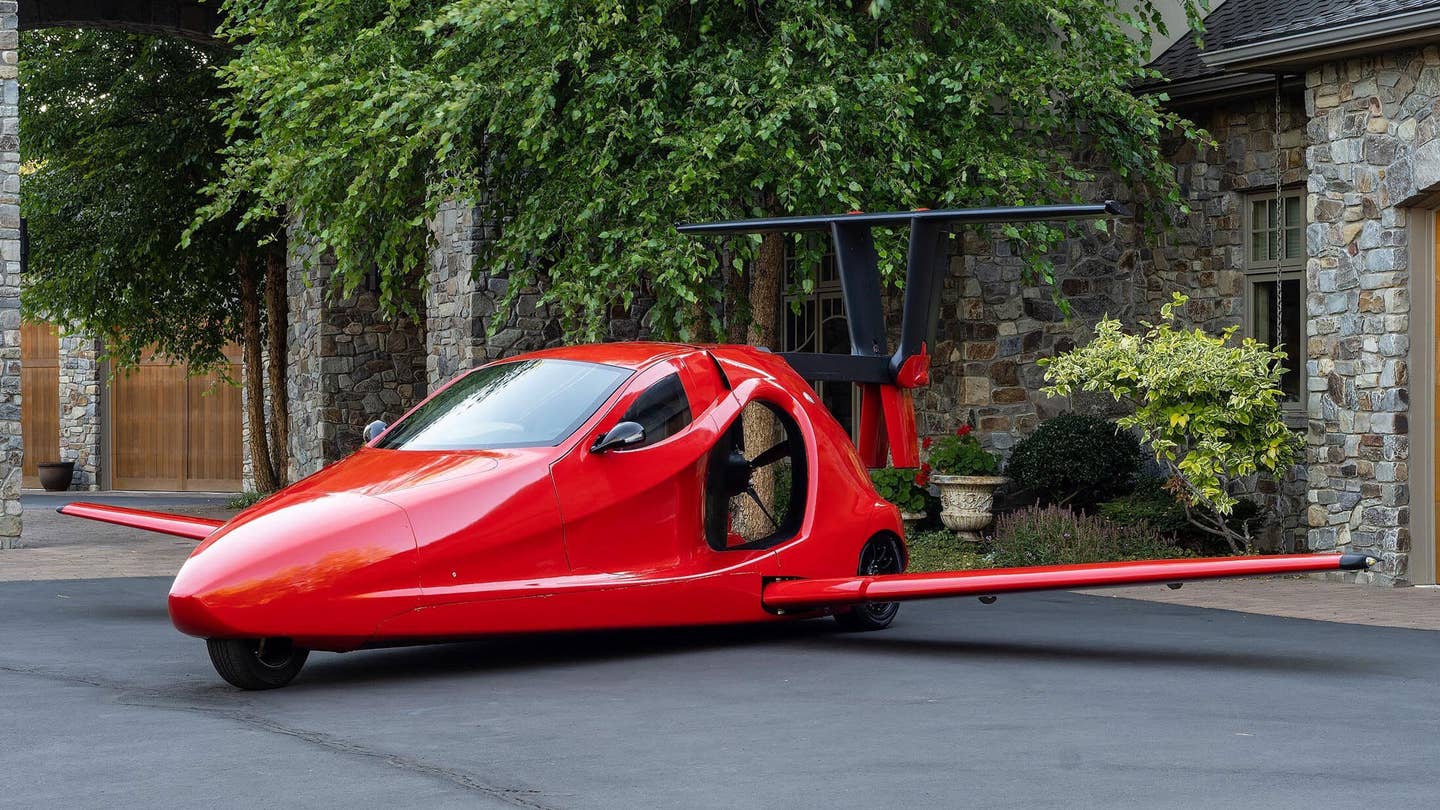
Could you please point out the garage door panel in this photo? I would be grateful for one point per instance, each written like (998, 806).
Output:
(39, 398)
(173, 432)
(214, 455)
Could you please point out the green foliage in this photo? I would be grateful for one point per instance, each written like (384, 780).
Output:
(1209, 407)
(1150, 504)
(961, 454)
(118, 141)
(590, 127)
(901, 486)
(1057, 536)
(1075, 458)
(940, 550)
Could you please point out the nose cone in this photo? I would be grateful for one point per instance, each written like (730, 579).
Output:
(309, 566)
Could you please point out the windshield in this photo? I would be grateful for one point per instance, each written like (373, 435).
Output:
(527, 403)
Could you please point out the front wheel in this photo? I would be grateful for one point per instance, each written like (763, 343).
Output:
(882, 554)
(249, 663)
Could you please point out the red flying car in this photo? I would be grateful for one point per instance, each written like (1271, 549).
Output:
(613, 485)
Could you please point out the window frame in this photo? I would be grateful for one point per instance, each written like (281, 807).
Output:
(1265, 271)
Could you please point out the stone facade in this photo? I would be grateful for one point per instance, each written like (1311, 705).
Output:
(81, 397)
(1374, 146)
(11, 450)
(461, 305)
(349, 364)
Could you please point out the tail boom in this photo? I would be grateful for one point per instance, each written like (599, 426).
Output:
(843, 591)
(195, 528)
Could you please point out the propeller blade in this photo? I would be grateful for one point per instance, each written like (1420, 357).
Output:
(774, 454)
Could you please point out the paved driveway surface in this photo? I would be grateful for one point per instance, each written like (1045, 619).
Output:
(1047, 699)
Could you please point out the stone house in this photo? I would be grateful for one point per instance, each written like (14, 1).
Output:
(1310, 211)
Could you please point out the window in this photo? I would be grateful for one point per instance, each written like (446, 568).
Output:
(1275, 265)
(815, 322)
(663, 410)
(527, 403)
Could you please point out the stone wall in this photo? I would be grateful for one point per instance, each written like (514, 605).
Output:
(1374, 146)
(349, 363)
(11, 450)
(81, 397)
(461, 305)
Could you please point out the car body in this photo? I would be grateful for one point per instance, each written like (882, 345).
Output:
(391, 545)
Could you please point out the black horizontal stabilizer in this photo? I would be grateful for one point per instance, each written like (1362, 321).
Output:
(900, 219)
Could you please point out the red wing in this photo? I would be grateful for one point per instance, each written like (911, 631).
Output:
(195, 528)
(839, 591)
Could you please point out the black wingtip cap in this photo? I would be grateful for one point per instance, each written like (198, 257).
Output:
(1356, 562)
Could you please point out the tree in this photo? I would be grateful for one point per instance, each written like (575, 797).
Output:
(1209, 407)
(589, 127)
(119, 142)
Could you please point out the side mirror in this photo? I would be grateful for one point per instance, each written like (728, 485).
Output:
(624, 434)
(374, 429)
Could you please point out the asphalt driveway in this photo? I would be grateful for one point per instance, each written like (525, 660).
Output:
(1047, 699)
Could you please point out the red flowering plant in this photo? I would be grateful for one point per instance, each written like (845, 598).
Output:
(904, 486)
(961, 454)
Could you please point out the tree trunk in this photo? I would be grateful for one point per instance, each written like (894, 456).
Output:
(760, 426)
(277, 320)
(250, 340)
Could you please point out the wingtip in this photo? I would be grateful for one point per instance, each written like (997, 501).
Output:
(1356, 562)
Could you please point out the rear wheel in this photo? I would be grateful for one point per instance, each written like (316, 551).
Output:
(883, 554)
(249, 663)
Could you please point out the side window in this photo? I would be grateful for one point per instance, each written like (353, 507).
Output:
(663, 410)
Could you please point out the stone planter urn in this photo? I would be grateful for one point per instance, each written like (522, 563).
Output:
(55, 476)
(910, 520)
(967, 502)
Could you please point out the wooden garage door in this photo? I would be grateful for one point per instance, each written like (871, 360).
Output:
(169, 431)
(39, 398)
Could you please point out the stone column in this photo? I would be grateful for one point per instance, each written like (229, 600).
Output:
(80, 416)
(11, 452)
(1372, 131)
(349, 363)
(462, 305)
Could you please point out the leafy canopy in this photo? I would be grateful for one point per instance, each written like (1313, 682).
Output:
(1209, 407)
(119, 142)
(589, 127)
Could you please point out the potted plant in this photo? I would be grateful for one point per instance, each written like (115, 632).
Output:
(906, 487)
(55, 476)
(967, 475)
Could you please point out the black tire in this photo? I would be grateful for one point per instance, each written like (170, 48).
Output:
(882, 554)
(251, 663)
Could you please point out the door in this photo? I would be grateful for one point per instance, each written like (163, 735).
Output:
(639, 509)
(169, 431)
(39, 398)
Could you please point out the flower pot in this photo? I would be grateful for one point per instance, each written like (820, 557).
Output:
(55, 476)
(910, 520)
(967, 502)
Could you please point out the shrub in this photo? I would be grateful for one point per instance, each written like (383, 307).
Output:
(1075, 459)
(961, 454)
(1149, 504)
(1054, 535)
(904, 487)
(1209, 407)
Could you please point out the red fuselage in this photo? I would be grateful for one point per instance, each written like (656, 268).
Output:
(397, 545)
